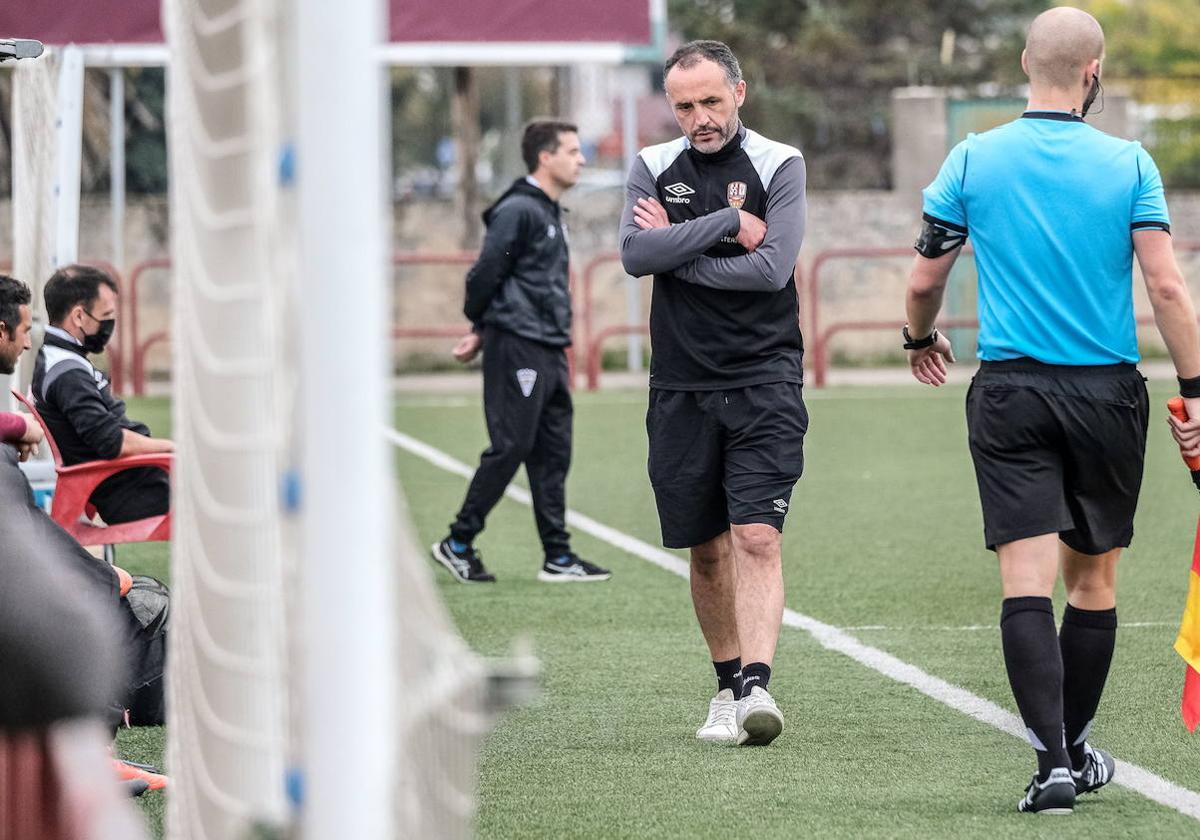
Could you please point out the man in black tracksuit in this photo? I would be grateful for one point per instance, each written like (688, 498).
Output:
(76, 400)
(519, 302)
(717, 216)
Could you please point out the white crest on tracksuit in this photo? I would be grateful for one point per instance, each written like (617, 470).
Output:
(526, 378)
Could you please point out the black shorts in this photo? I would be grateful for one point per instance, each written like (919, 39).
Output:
(724, 457)
(1058, 449)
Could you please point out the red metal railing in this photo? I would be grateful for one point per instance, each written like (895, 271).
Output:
(128, 350)
(586, 313)
(821, 338)
(463, 258)
(820, 341)
(460, 258)
(141, 348)
(595, 350)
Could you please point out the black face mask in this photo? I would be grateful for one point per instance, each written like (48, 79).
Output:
(1092, 93)
(97, 341)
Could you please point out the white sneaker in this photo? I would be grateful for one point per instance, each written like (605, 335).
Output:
(759, 720)
(721, 725)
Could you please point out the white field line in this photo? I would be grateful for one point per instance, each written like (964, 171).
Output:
(1127, 775)
(922, 628)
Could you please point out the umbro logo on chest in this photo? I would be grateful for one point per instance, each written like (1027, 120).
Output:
(678, 193)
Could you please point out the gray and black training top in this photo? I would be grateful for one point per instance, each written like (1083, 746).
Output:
(720, 317)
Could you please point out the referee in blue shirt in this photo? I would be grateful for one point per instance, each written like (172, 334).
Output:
(1057, 414)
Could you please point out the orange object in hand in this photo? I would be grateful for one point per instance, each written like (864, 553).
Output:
(125, 580)
(1175, 406)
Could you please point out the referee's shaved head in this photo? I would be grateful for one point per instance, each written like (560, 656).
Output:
(1061, 42)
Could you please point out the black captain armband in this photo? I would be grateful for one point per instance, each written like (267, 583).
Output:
(1163, 226)
(1189, 388)
(938, 237)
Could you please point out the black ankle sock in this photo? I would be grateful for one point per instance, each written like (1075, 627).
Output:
(1035, 672)
(755, 674)
(1087, 639)
(729, 675)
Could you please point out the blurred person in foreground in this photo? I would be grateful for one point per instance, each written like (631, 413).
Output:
(59, 648)
(1058, 412)
(519, 303)
(717, 216)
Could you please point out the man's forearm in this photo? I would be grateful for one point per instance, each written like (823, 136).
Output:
(922, 308)
(660, 250)
(667, 249)
(483, 281)
(769, 267)
(926, 287)
(134, 444)
(1175, 316)
(502, 243)
(12, 427)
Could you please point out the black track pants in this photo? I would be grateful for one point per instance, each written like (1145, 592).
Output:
(527, 403)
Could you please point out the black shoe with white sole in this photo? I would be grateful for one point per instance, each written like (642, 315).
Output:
(1056, 795)
(571, 569)
(465, 565)
(1097, 771)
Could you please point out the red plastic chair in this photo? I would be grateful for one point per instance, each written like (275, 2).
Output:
(70, 507)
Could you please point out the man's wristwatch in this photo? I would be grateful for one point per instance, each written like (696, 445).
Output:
(911, 343)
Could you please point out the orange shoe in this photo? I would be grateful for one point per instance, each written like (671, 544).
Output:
(128, 770)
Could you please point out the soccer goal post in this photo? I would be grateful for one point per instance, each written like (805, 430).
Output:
(309, 646)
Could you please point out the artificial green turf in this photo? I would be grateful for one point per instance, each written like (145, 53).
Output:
(885, 530)
(146, 744)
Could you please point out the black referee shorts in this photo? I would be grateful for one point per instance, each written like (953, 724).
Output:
(1058, 449)
(724, 457)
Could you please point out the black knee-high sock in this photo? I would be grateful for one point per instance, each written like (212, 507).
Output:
(1035, 672)
(729, 675)
(1087, 639)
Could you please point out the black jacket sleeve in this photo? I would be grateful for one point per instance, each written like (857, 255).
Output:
(506, 233)
(74, 394)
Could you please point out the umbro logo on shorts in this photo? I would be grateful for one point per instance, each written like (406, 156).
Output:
(679, 192)
(526, 379)
(780, 506)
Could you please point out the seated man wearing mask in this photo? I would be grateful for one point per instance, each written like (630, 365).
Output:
(76, 400)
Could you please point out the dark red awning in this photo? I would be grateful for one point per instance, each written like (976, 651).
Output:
(419, 21)
(82, 21)
(622, 21)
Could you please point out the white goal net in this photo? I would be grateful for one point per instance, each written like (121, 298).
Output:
(232, 567)
(308, 640)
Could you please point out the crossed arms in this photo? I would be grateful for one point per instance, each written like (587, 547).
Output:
(650, 244)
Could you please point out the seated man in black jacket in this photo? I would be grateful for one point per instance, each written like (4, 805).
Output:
(76, 400)
(520, 305)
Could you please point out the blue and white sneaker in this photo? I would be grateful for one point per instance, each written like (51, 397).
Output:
(465, 565)
(571, 568)
(1056, 795)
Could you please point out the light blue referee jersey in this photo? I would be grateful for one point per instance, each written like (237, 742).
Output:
(1050, 204)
